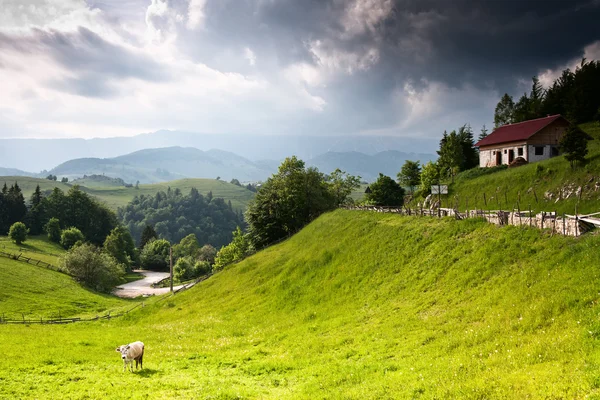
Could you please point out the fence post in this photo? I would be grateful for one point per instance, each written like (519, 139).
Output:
(564, 228)
(530, 219)
(576, 222)
(554, 223)
(543, 215)
(484, 199)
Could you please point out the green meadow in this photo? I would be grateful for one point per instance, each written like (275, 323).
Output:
(119, 196)
(357, 305)
(32, 292)
(536, 186)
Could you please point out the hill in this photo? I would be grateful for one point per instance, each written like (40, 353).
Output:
(357, 305)
(15, 172)
(367, 166)
(164, 164)
(118, 195)
(549, 185)
(37, 292)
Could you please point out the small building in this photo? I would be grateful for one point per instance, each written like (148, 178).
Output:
(533, 140)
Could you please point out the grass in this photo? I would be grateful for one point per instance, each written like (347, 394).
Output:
(119, 196)
(36, 247)
(357, 305)
(34, 292)
(537, 186)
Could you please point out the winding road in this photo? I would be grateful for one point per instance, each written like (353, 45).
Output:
(143, 287)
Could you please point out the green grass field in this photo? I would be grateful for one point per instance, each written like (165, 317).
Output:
(358, 305)
(32, 292)
(531, 182)
(119, 196)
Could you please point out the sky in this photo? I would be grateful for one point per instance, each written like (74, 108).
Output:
(404, 68)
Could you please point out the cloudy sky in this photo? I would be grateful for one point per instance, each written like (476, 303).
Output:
(410, 68)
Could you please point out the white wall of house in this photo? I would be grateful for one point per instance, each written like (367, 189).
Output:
(487, 157)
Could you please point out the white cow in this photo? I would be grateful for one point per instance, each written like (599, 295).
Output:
(130, 352)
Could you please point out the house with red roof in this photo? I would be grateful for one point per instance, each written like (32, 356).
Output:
(533, 140)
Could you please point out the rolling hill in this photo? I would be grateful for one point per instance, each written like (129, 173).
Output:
(357, 305)
(117, 195)
(166, 164)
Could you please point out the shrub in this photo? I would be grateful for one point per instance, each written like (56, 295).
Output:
(155, 255)
(93, 268)
(18, 232)
(183, 269)
(70, 237)
(52, 228)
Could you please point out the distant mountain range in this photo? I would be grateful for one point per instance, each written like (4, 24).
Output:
(170, 163)
(44, 154)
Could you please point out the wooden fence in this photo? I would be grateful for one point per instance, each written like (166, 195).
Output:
(568, 225)
(29, 260)
(59, 320)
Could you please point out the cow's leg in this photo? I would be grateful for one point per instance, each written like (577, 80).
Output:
(141, 360)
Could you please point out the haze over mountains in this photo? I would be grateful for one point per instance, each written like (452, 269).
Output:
(168, 155)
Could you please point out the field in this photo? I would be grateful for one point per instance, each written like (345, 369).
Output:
(30, 291)
(357, 305)
(119, 196)
(536, 186)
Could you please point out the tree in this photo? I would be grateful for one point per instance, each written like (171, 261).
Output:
(155, 255)
(147, 235)
(234, 251)
(536, 99)
(235, 182)
(450, 154)
(207, 253)
(119, 244)
(410, 174)
(187, 247)
(385, 192)
(93, 268)
(18, 232)
(483, 134)
(504, 113)
(341, 184)
(574, 145)
(430, 175)
(522, 110)
(70, 237)
(36, 214)
(53, 230)
(287, 201)
(64, 179)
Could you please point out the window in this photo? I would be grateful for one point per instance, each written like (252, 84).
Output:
(539, 150)
(494, 152)
(520, 151)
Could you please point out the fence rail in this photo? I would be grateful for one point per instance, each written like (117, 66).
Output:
(568, 225)
(29, 260)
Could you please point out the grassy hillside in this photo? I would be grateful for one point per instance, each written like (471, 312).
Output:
(40, 292)
(357, 305)
(543, 180)
(118, 196)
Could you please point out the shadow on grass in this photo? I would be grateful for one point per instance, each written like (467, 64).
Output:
(147, 372)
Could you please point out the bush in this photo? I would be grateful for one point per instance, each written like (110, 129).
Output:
(155, 255)
(52, 228)
(183, 269)
(70, 237)
(18, 232)
(93, 268)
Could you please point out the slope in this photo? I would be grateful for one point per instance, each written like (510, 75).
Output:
(549, 185)
(357, 305)
(35, 292)
(117, 196)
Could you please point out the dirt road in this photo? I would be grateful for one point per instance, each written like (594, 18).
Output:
(144, 286)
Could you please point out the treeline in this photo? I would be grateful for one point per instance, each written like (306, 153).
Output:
(174, 216)
(75, 209)
(574, 95)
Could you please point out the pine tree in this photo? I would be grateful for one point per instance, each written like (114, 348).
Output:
(504, 113)
(483, 134)
(147, 235)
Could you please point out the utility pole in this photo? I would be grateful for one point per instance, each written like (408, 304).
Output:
(171, 267)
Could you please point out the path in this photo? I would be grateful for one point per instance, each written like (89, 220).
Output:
(143, 286)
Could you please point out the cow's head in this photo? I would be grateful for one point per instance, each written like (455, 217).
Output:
(123, 349)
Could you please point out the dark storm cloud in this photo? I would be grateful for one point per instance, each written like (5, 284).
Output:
(92, 61)
(480, 42)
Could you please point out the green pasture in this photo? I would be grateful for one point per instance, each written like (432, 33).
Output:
(35, 247)
(358, 305)
(119, 196)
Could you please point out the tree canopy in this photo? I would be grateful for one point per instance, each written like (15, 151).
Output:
(410, 174)
(385, 192)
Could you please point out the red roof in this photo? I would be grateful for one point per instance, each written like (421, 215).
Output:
(517, 132)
